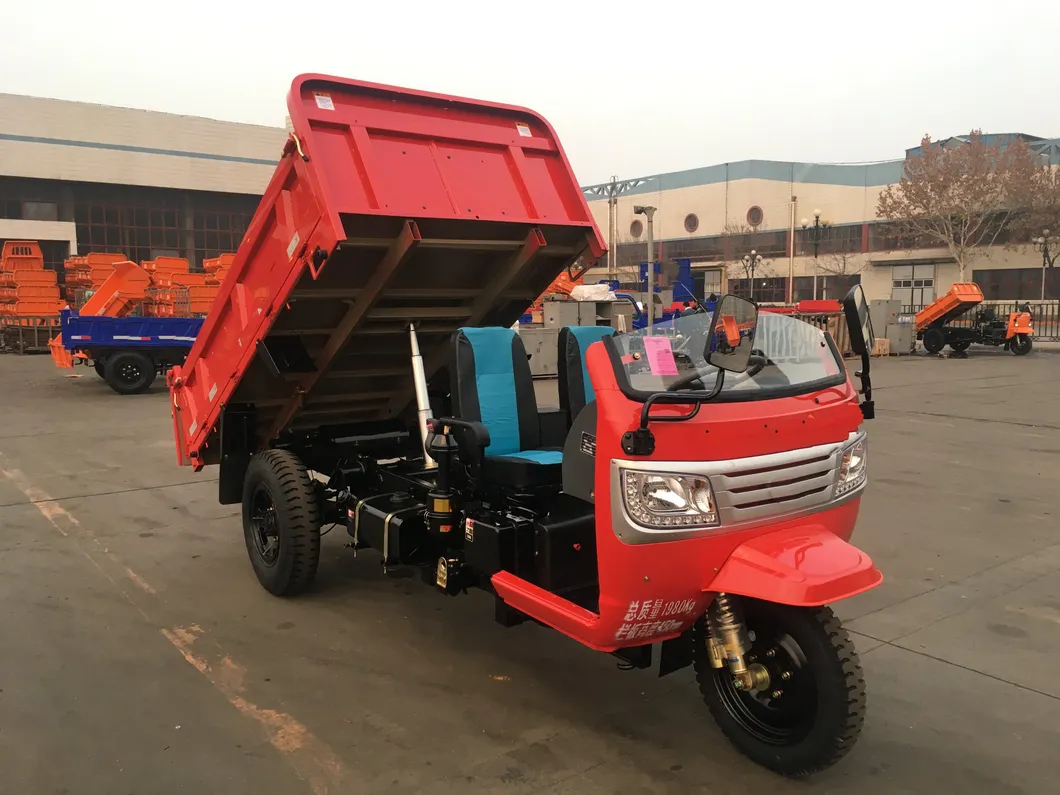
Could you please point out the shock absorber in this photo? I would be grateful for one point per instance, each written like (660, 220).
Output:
(729, 644)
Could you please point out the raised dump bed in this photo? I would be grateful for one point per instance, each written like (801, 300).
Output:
(388, 207)
(961, 297)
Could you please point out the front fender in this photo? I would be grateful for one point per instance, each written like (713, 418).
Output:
(804, 566)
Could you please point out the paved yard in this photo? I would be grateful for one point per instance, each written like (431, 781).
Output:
(139, 655)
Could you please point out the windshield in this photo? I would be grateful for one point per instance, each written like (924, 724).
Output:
(790, 356)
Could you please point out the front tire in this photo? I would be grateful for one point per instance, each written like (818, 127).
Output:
(1021, 344)
(281, 522)
(811, 714)
(129, 372)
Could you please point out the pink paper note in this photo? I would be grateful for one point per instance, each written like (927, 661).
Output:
(660, 356)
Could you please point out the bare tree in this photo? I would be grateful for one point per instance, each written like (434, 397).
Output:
(958, 195)
(1039, 205)
(842, 264)
(737, 240)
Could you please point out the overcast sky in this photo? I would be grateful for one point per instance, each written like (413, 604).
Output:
(632, 89)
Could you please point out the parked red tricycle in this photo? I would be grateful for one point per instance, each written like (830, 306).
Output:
(694, 493)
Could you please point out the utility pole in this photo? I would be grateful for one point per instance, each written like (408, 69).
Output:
(611, 191)
(816, 233)
(649, 213)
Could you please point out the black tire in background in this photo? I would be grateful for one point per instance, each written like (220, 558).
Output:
(100, 369)
(960, 345)
(129, 372)
(934, 340)
(281, 522)
(817, 716)
(1021, 344)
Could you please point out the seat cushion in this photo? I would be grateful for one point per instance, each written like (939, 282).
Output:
(525, 469)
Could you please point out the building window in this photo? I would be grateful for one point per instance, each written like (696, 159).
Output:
(845, 239)
(691, 222)
(636, 229)
(40, 211)
(135, 231)
(218, 232)
(766, 291)
(1017, 284)
(755, 216)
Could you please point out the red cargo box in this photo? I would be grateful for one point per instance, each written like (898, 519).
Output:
(388, 206)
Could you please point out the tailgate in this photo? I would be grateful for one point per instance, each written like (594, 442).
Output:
(389, 206)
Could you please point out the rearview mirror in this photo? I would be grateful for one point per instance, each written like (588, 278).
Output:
(859, 325)
(732, 334)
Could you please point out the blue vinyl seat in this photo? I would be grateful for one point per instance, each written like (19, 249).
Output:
(492, 384)
(575, 387)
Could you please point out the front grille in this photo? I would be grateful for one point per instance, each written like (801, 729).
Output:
(777, 484)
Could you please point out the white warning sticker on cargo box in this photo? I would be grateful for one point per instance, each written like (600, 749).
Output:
(524, 129)
(324, 101)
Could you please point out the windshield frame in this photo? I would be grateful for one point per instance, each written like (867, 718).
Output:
(728, 396)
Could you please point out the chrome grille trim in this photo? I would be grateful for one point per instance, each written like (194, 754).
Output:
(749, 491)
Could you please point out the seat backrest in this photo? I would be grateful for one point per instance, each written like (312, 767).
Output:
(491, 384)
(575, 388)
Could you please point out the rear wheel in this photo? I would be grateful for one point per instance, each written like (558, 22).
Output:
(960, 345)
(129, 372)
(934, 340)
(100, 369)
(281, 522)
(1020, 344)
(809, 713)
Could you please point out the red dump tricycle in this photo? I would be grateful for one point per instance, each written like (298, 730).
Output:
(693, 494)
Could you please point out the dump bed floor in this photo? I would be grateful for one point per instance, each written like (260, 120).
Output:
(389, 207)
(474, 274)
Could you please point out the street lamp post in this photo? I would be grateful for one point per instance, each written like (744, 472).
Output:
(649, 214)
(816, 233)
(750, 262)
(1048, 259)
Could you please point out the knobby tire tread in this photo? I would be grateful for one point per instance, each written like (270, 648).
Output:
(296, 503)
(846, 667)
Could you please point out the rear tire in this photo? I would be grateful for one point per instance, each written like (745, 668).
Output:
(100, 369)
(281, 522)
(1021, 344)
(817, 717)
(934, 340)
(960, 345)
(129, 372)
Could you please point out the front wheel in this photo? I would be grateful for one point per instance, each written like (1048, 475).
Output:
(1020, 344)
(807, 714)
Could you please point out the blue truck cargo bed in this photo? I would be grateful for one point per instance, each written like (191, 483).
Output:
(80, 333)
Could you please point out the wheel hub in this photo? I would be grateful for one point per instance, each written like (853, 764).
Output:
(266, 529)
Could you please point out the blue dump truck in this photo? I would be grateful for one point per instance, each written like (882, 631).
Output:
(128, 352)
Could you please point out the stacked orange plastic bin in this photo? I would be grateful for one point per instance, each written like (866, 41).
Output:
(166, 298)
(204, 287)
(86, 273)
(29, 294)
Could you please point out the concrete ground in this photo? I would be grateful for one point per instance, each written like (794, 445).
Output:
(139, 655)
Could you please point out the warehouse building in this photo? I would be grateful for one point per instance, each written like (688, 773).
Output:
(717, 215)
(81, 178)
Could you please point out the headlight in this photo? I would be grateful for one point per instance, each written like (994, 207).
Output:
(853, 467)
(658, 499)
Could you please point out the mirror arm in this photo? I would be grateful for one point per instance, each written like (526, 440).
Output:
(868, 408)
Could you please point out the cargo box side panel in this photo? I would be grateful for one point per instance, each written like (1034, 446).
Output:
(277, 249)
